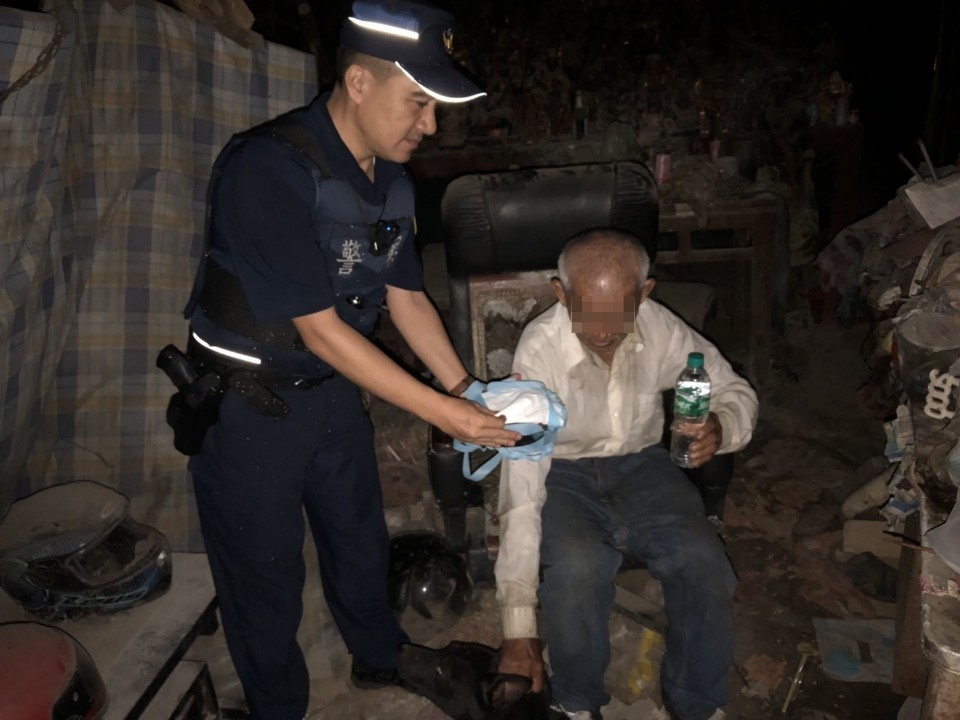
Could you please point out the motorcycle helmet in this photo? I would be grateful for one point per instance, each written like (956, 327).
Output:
(47, 675)
(72, 549)
(428, 583)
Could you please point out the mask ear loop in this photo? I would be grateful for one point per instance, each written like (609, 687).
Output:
(532, 433)
(481, 472)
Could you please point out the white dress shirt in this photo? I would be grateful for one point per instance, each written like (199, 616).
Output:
(611, 410)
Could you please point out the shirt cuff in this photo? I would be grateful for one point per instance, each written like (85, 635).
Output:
(730, 440)
(519, 622)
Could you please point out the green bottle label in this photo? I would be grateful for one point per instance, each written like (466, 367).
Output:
(692, 399)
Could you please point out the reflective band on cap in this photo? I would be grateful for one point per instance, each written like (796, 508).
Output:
(386, 29)
(227, 353)
(438, 96)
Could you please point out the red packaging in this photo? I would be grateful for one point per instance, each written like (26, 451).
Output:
(661, 170)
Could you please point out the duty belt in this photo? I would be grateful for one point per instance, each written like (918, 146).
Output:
(256, 385)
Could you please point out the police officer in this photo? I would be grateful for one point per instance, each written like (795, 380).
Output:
(310, 234)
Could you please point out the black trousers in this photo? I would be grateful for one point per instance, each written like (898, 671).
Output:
(254, 479)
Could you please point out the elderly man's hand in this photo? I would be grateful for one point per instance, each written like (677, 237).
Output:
(523, 656)
(708, 436)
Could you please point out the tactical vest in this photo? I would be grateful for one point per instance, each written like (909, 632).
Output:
(360, 242)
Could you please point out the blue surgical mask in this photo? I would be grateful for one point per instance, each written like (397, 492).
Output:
(530, 408)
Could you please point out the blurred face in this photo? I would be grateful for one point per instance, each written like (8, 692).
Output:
(603, 311)
(394, 115)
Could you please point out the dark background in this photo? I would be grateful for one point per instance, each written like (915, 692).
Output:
(902, 58)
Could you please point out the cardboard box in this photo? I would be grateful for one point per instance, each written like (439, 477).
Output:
(937, 201)
(868, 536)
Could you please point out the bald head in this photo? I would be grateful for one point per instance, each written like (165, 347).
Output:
(603, 280)
(603, 259)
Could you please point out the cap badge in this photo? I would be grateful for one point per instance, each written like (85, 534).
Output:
(448, 40)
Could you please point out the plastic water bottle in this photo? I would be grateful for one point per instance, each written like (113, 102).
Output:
(691, 405)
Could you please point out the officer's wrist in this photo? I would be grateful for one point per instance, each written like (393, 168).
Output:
(461, 387)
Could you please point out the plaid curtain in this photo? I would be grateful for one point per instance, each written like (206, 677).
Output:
(106, 156)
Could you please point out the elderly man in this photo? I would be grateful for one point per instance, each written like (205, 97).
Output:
(610, 490)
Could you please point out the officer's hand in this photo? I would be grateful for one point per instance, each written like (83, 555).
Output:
(472, 423)
(523, 656)
(708, 436)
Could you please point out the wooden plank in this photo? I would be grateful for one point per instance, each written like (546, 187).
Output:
(151, 638)
(705, 255)
(910, 665)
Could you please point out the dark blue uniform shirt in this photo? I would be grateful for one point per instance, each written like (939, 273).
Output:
(265, 230)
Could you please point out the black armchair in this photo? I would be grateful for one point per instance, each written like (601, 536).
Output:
(502, 235)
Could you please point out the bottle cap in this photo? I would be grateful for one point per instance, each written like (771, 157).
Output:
(695, 360)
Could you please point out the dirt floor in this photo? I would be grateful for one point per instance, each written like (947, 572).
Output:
(815, 443)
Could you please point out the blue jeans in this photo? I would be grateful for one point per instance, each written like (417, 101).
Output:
(599, 510)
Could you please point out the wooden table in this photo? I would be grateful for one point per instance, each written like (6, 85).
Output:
(136, 650)
(753, 222)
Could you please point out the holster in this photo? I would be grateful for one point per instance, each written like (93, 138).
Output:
(190, 423)
(203, 377)
(195, 405)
